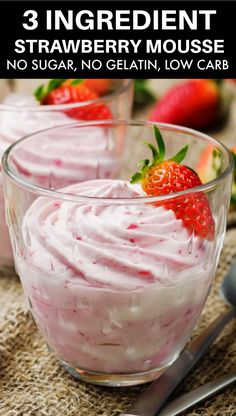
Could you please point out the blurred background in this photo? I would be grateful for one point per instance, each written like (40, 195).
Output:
(206, 105)
(150, 92)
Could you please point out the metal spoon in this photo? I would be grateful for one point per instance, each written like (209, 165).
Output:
(153, 398)
(188, 400)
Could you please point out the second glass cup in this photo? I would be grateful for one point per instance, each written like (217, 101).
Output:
(115, 280)
(20, 115)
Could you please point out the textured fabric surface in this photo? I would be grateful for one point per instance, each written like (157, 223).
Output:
(33, 383)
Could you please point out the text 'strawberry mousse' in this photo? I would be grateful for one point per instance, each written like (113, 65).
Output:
(113, 288)
(47, 163)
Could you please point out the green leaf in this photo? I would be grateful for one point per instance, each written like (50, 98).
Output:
(158, 154)
(43, 90)
(155, 154)
(54, 83)
(179, 157)
(160, 143)
(76, 81)
(39, 93)
(143, 164)
(142, 92)
(136, 177)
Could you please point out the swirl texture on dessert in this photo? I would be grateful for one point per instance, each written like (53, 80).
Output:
(16, 121)
(58, 159)
(122, 246)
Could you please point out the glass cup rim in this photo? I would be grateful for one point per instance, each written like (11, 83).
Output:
(57, 194)
(46, 108)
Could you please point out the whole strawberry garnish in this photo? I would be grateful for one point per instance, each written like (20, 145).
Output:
(193, 103)
(56, 93)
(164, 177)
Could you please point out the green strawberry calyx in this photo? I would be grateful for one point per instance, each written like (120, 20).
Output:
(158, 156)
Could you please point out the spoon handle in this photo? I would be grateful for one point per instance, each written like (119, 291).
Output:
(152, 399)
(188, 400)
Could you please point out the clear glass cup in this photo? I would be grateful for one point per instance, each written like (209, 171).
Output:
(114, 281)
(20, 115)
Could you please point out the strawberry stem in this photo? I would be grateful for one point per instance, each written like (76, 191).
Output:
(136, 177)
(179, 157)
(158, 156)
(160, 143)
(143, 163)
(155, 153)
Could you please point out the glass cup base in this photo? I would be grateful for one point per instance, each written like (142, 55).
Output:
(115, 380)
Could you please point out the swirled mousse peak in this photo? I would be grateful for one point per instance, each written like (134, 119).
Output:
(16, 121)
(114, 245)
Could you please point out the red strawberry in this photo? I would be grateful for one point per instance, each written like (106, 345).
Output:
(194, 103)
(164, 177)
(56, 94)
(100, 86)
(66, 94)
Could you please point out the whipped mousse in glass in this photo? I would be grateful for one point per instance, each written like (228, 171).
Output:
(22, 114)
(116, 273)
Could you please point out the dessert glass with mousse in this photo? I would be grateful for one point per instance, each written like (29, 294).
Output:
(22, 114)
(116, 273)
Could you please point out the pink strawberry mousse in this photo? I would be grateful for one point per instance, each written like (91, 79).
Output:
(52, 162)
(98, 277)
